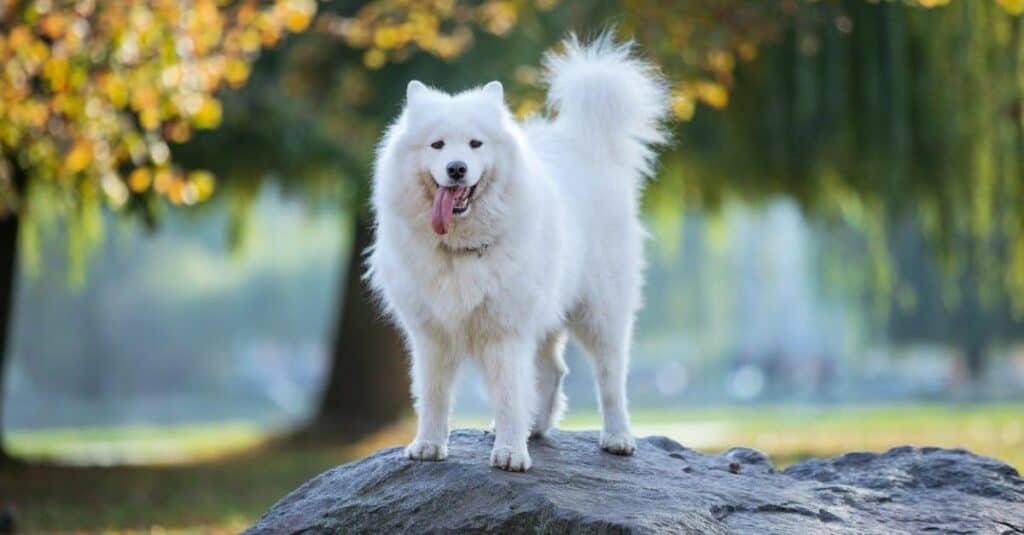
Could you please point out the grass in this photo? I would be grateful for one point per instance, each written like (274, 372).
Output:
(225, 492)
(789, 434)
(231, 478)
(137, 444)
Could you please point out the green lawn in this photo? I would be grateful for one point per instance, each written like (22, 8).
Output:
(230, 478)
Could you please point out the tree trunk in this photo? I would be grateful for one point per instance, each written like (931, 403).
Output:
(8, 274)
(974, 359)
(8, 271)
(368, 386)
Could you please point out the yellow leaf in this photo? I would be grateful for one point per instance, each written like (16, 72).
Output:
(56, 72)
(374, 58)
(203, 183)
(209, 114)
(236, 72)
(713, 94)
(116, 90)
(1014, 7)
(300, 13)
(79, 157)
(387, 38)
(528, 107)
(150, 118)
(140, 179)
(683, 107)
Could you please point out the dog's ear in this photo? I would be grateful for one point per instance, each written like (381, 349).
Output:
(495, 90)
(415, 90)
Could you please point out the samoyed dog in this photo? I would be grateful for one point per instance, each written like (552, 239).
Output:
(495, 240)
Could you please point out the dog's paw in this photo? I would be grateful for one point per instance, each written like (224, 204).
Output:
(422, 450)
(511, 459)
(618, 443)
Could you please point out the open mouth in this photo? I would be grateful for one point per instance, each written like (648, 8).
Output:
(450, 202)
(462, 206)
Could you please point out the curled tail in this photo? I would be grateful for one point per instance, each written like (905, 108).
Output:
(608, 98)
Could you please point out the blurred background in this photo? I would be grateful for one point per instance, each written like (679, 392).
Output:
(836, 262)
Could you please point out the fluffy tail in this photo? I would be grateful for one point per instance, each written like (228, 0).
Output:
(614, 102)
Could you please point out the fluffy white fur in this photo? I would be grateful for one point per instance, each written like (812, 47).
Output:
(551, 245)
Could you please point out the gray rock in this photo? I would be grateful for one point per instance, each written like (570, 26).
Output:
(665, 488)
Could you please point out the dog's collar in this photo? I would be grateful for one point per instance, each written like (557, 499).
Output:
(478, 250)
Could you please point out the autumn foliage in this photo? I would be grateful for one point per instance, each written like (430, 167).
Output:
(92, 92)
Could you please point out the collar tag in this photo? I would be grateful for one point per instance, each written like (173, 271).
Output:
(479, 250)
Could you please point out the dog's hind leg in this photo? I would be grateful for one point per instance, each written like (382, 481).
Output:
(607, 341)
(550, 372)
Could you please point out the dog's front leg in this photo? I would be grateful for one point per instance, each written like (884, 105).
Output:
(433, 372)
(508, 368)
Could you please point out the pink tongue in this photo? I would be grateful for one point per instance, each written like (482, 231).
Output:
(444, 202)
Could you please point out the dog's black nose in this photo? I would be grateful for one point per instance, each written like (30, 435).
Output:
(456, 170)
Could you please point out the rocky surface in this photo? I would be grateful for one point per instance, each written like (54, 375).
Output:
(665, 488)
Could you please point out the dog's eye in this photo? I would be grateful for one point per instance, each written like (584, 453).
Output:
(475, 144)
(438, 144)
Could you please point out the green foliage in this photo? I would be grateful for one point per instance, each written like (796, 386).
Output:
(880, 118)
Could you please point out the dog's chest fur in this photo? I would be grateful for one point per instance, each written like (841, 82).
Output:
(460, 293)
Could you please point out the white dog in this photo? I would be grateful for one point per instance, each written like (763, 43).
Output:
(495, 239)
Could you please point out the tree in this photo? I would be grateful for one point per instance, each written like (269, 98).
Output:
(880, 118)
(91, 95)
(954, 308)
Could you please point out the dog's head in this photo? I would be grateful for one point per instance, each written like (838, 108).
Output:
(455, 145)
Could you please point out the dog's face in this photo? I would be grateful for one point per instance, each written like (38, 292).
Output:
(454, 143)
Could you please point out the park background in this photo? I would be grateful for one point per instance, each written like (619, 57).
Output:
(836, 262)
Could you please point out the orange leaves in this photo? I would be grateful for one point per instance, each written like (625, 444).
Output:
(91, 90)
(686, 95)
(114, 89)
(53, 25)
(145, 97)
(499, 17)
(388, 30)
(179, 188)
(699, 43)
(140, 179)
(712, 94)
(79, 157)
(204, 24)
(296, 14)
(20, 37)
